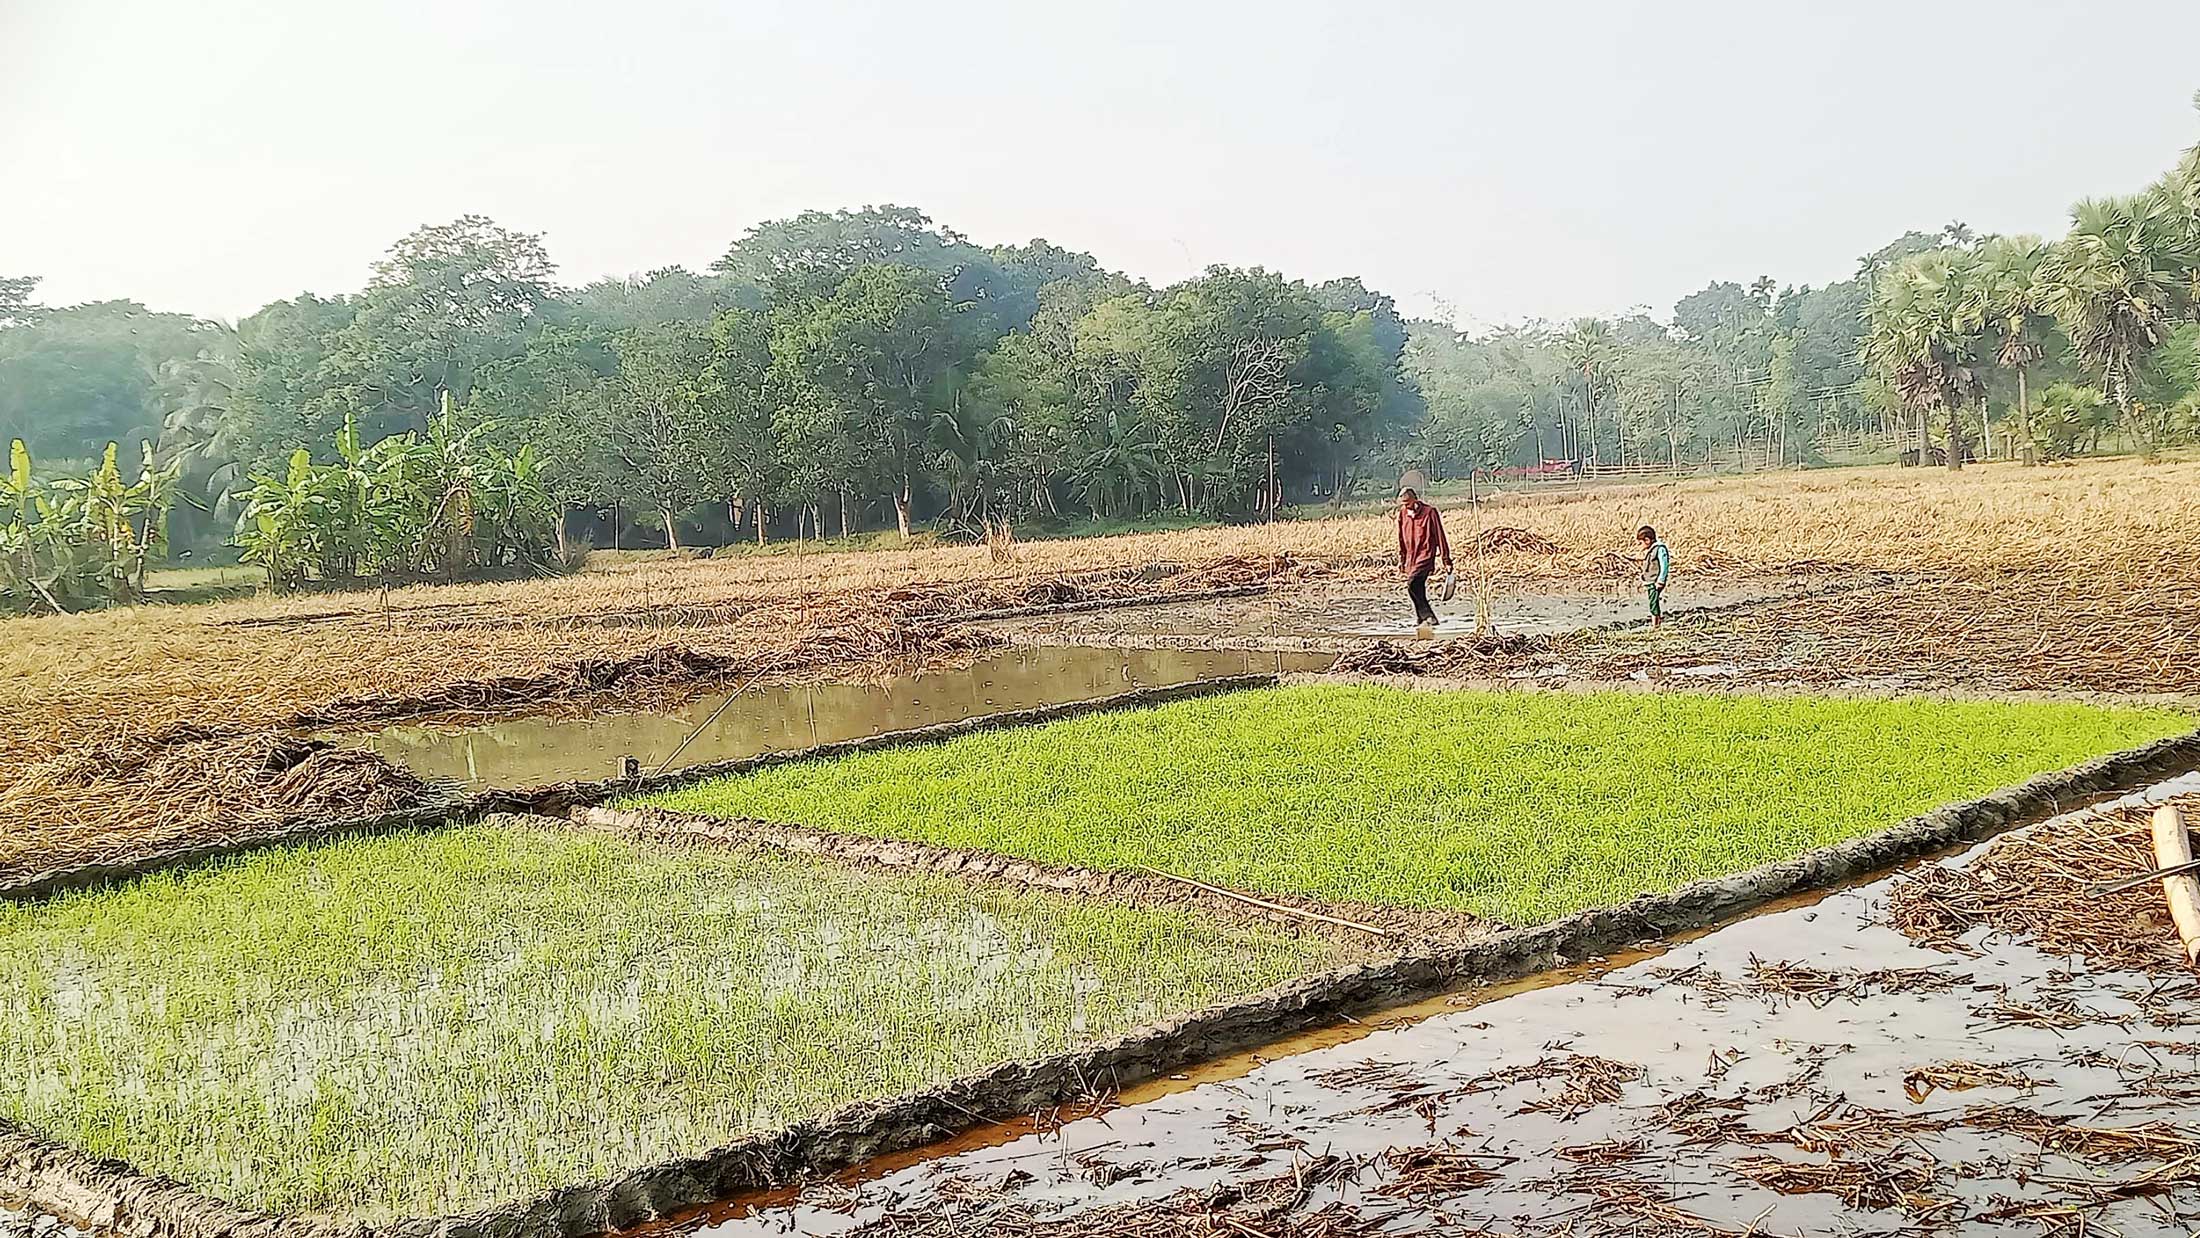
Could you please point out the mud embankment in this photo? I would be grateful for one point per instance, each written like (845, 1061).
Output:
(1368, 928)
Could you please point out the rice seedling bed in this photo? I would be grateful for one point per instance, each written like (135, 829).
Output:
(431, 1022)
(1517, 807)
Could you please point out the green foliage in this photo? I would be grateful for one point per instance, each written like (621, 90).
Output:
(427, 1023)
(1925, 341)
(76, 378)
(441, 503)
(2117, 284)
(2070, 421)
(71, 542)
(1517, 806)
(880, 362)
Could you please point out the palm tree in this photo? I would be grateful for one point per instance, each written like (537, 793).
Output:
(1589, 349)
(2180, 187)
(1917, 341)
(2004, 300)
(2116, 284)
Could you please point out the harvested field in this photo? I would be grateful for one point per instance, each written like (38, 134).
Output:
(1344, 615)
(431, 1022)
(2107, 631)
(75, 683)
(1619, 1099)
(1515, 807)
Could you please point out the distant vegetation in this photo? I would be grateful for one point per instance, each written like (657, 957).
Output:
(850, 370)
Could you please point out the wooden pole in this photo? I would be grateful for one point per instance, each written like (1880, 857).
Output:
(1268, 906)
(2172, 847)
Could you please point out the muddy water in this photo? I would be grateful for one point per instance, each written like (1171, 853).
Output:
(1689, 1022)
(525, 752)
(1360, 611)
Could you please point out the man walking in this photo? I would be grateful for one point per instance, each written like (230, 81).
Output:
(1420, 542)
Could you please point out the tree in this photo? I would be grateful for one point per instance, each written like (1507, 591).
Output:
(446, 303)
(16, 307)
(198, 442)
(76, 378)
(1918, 342)
(285, 398)
(668, 294)
(808, 255)
(2071, 420)
(665, 426)
(741, 365)
(1591, 353)
(557, 393)
(2116, 284)
(2005, 301)
(874, 355)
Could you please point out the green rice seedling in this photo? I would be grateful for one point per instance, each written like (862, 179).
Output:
(430, 1022)
(1515, 806)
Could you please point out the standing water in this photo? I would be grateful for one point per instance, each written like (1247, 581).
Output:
(522, 752)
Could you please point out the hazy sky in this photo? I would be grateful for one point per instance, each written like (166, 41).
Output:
(1514, 159)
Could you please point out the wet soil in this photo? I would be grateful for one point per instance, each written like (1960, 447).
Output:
(534, 751)
(1810, 1070)
(1342, 615)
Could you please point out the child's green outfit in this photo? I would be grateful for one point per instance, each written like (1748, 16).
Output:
(1657, 568)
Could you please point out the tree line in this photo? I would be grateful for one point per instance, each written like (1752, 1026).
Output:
(831, 372)
(848, 370)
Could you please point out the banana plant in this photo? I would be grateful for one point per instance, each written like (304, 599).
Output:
(436, 504)
(78, 541)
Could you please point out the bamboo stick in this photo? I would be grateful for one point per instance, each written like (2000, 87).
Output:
(2173, 847)
(1266, 905)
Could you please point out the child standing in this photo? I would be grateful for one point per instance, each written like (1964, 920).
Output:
(1657, 568)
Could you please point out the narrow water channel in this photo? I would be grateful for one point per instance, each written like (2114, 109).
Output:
(522, 752)
(1707, 1071)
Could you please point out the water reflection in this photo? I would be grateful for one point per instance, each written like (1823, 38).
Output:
(524, 752)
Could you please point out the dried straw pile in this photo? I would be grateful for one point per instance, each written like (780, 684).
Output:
(2039, 886)
(130, 796)
(2122, 629)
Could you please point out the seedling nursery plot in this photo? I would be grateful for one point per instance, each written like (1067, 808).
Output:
(434, 1022)
(1514, 806)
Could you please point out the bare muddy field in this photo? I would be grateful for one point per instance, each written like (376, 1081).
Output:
(1341, 615)
(532, 751)
(1867, 1062)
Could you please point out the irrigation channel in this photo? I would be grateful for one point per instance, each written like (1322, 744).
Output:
(1805, 1070)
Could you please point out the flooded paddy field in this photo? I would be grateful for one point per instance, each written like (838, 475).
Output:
(426, 1022)
(1836, 1065)
(535, 750)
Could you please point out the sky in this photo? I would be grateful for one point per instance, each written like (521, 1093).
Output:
(1496, 161)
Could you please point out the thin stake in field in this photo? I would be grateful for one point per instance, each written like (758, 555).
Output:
(1268, 906)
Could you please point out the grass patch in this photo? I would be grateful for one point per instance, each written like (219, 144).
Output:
(1516, 806)
(431, 1022)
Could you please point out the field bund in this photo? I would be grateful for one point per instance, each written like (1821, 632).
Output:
(513, 1027)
